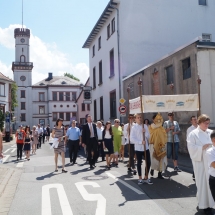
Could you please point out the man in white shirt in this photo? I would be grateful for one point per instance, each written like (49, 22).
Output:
(211, 163)
(136, 137)
(40, 135)
(193, 120)
(100, 129)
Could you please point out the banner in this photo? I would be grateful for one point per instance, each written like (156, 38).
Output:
(165, 103)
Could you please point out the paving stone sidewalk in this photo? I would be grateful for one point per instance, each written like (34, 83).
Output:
(9, 179)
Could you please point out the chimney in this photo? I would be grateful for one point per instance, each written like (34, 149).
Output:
(50, 76)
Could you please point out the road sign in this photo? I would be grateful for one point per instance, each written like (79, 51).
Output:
(122, 115)
(122, 109)
(122, 101)
(87, 88)
(87, 101)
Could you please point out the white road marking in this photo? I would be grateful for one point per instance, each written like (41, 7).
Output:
(125, 184)
(13, 146)
(46, 203)
(101, 201)
(7, 150)
(20, 164)
(13, 150)
(5, 158)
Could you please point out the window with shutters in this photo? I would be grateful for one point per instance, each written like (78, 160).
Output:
(186, 67)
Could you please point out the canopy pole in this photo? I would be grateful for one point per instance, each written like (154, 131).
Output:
(199, 81)
(129, 128)
(173, 141)
(141, 105)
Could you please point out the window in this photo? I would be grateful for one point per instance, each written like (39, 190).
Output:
(82, 107)
(113, 104)
(82, 121)
(41, 97)
(73, 96)
(54, 116)
(169, 75)
(2, 89)
(88, 107)
(22, 105)
(101, 108)
(61, 115)
(42, 122)
(99, 43)
(186, 68)
(94, 77)
(202, 2)
(206, 37)
(54, 96)
(113, 25)
(22, 93)
(41, 109)
(67, 116)
(100, 72)
(108, 31)
(74, 114)
(95, 111)
(67, 96)
(23, 117)
(93, 50)
(112, 63)
(61, 96)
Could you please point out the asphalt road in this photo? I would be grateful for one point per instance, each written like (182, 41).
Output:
(82, 191)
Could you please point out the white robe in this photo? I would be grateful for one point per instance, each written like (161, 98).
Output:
(196, 140)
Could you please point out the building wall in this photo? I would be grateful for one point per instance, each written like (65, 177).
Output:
(109, 84)
(82, 114)
(6, 99)
(150, 29)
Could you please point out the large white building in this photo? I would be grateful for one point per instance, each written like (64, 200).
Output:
(47, 100)
(132, 34)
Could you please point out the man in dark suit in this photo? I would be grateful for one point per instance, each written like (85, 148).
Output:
(90, 139)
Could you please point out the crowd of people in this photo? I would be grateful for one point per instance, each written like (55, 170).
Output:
(153, 143)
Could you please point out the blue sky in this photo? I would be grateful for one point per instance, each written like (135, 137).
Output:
(59, 28)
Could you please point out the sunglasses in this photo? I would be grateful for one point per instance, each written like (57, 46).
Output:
(117, 122)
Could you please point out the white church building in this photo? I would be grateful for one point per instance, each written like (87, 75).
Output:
(134, 33)
(47, 100)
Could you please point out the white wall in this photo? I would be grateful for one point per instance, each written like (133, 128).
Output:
(19, 46)
(109, 84)
(206, 69)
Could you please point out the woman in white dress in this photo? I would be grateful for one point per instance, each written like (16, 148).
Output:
(198, 142)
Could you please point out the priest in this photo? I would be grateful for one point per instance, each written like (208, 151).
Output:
(198, 142)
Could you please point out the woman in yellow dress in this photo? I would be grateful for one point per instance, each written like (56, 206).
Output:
(158, 140)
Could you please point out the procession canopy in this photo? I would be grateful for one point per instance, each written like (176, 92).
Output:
(165, 103)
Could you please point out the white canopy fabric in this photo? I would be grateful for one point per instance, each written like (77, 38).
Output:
(165, 103)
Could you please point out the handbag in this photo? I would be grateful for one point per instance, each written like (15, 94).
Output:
(106, 150)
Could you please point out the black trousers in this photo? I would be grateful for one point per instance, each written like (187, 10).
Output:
(73, 150)
(92, 146)
(212, 186)
(101, 149)
(131, 155)
(44, 137)
(19, 150)
(39, 141)
(140, 155)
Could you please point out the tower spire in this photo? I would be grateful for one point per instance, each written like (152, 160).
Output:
(22, 13)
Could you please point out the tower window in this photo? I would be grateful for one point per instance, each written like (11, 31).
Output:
(22, 93)
(22, 105)
(22, 117)
(22, 50)
(22, 58)
(41, 109)
(203, 2)
(206, 37)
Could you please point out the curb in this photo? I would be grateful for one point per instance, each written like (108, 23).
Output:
(5, 180)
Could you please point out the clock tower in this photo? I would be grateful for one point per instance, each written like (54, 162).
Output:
(22, 71)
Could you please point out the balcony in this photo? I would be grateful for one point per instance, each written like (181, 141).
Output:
(22, 66)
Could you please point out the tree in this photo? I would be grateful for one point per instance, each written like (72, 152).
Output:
(2, 119)
(14, 102)
(71, 76)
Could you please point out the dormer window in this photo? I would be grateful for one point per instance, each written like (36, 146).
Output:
(41, 84)
(63, 82)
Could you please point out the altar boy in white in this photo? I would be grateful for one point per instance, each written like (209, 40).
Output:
(198, 142)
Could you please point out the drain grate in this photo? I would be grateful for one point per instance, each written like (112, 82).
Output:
(95, 177)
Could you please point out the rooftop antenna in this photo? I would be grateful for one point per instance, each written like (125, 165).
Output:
(22, 13)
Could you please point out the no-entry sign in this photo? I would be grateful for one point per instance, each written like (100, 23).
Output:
(122, 109)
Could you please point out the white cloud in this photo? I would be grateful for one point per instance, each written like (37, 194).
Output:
(46, 58)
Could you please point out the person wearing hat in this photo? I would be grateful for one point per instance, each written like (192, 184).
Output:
(74, 135)
(20, 140)
(172, 129)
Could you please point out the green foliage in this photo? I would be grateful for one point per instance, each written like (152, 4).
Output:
(2, 119)
(14, 102)
(71, 76)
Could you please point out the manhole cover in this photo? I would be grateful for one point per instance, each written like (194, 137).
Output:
(95, 177)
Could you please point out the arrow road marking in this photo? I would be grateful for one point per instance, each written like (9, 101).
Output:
(5, 158)
(125, 184)
(20, 164)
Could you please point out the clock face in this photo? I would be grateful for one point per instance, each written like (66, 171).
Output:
(22, 40)
(22, 78)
